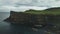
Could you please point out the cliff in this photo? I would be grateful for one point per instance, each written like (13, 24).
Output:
(26, 18)
(35, 17)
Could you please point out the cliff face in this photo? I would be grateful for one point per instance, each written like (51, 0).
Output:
(50, 18)
(53, 19)
(26, 18)
(32, 19)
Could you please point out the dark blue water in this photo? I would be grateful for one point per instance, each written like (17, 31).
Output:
(7, 28)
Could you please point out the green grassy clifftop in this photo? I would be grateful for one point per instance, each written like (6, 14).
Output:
(53, 11)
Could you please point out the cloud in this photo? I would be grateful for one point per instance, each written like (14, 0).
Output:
(41, 3)
(20, 8)
(18, 5)
(7, 8)
(44, 3)
(23, 8)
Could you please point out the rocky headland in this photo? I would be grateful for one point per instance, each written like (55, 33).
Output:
(49, 18)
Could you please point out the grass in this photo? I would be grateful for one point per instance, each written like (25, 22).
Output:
(53, 12)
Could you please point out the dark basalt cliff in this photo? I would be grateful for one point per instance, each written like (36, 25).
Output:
(26, 18)
(34, 19)
(49, 18)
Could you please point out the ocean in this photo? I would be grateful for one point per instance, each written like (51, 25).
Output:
(7, 28)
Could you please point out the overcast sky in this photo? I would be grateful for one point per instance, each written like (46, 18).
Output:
(18, 5)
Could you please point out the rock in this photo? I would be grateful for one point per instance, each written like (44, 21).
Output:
(47, 32)
(38, 26)
(34, 29)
